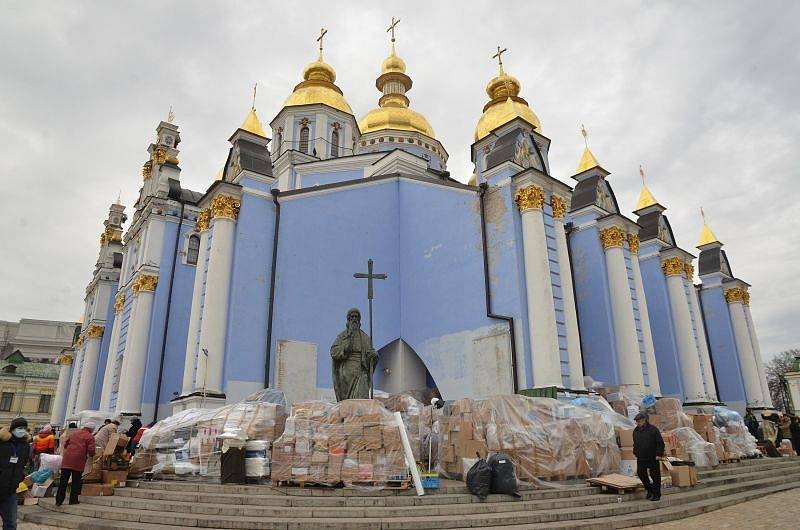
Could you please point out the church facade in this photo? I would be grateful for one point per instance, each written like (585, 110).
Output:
(519, 279)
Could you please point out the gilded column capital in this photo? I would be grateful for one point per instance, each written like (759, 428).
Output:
(529, 198)
(559, 206)
(612, 237)
(144, 283)
(119, 303)
(633, 243)
(147, 169)
(225, 207)
(746, 298)
(110, 234)
(95, 332)
(159, 155)
(689, 269)
(673, 267)
(65, 359)
(735, 295)
(203, 219)
(79, 342)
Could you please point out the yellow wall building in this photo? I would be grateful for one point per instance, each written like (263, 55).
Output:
(27, 389)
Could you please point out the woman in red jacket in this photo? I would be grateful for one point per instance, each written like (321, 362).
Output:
(78, 447)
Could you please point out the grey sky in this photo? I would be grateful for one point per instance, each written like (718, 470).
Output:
(704, 94)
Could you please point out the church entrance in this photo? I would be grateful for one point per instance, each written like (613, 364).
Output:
(400, 370)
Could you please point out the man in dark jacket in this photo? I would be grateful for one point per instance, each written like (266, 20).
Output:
(15, 452)
(648, 446)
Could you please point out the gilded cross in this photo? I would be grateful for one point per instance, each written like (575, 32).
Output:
(641, 172)
(392, 26)
(585, 134)
(170, 115)
(322, 32)
(499, 56)
(703, 215)
(255, 87)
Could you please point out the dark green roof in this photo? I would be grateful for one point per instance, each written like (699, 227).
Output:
(29, 369)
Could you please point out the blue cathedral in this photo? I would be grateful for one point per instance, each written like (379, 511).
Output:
(520, 279)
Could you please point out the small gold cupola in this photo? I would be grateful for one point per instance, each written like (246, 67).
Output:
(707, 237)
(646, 198)
(318, 85)
(504, 104)
(393, 110)
(588, 161)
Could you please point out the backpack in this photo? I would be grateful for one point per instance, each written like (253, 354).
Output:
(479, 478)
(504, 480)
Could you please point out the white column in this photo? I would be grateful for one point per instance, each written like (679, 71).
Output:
(629, 359)
(705, 356)
(113, 347)
(194, 316)
(741, 334)
(60, 400)
(129, 395)
(765, 393)
(539, 289)
(684, 335)
(72, 396)
(320, 140)
(91, 354)
(568, 294)
(224, 209)
(644, 316)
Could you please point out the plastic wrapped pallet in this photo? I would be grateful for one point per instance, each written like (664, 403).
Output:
(736, 440)
(356, 441)
(545, 438)
(669, 415)
(699, 451)
(415, 418)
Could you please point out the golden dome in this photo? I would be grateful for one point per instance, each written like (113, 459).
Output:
(393, 63)
(504, 105)
(318, 87)
(645, 199)
(252, 124)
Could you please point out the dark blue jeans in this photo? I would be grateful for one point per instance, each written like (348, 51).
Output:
(8, 511)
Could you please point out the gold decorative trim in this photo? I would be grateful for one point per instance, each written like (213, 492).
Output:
(119, 303)
(147, 169)
(95, 332)
(633, 243)
(673, 267)
(559, 206)
(79, 342)
(746, 298)
(65, 359)
(203, 219)
(689, 269)
(735, 294)
(144, 283)
(225, 207)
(109, 235)
(159, 155)
(529, 198)
(612, 237)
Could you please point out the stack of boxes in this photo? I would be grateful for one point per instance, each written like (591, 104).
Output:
(353, 441)
(416, 418)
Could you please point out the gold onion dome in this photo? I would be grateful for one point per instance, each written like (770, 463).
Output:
(252, 124)
(504, 105)
(318, 87)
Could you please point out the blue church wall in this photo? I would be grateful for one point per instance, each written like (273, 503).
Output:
(249, 297)
(318, 179)
(593, 304)
(252, 183)
(661, 326)
(175, 349)
(105, 343)
(377, 147)
(722, 345)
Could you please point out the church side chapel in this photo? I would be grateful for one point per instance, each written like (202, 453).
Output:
(518, 280)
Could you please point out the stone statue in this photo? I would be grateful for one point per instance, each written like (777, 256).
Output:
(354, 360)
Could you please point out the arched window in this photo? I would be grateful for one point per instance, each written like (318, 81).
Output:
(334, 144)
(304, 139)
(192, 250)
(278, 142)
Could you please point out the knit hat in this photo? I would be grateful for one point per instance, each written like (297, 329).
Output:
(47, 429)
(89, 425)
(641, 416)
(19, 422)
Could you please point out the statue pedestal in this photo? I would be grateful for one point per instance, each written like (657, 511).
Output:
(196, 400)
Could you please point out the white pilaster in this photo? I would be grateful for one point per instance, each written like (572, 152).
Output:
(684, 335)
(705, 356)
(765, 393)
(224, 209)
(129, 395)
(627, 341)
(747, 360)
(321, 136)
(568, 294)
(644, 316)
(194, 316)
(72, 396)
(539, 289)
(113, 346)
(60, 402)
(89, 372)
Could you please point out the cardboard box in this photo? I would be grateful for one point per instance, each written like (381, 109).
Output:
(97, 490)
(114, 477)
(681, 476)
(702, 422)
(626, 453)
(625, 437)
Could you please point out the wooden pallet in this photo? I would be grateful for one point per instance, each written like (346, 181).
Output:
(615, 483)
(300, 484)
(387, 485)
(730, 460)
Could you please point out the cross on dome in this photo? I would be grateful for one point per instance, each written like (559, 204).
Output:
(322, 33)
(499, 57)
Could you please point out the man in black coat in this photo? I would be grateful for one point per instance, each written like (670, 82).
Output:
(648, 446)
(15, 452)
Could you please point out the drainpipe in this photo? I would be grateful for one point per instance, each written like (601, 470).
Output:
(268, 352)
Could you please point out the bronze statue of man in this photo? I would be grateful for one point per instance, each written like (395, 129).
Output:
(354, 360)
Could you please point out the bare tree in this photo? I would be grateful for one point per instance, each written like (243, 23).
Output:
(775, 368)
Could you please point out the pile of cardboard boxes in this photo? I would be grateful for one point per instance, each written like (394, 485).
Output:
(353, 441)
(109, 469)
(677, 469)
(416, 418)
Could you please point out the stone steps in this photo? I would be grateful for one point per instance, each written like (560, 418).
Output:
(160, 504)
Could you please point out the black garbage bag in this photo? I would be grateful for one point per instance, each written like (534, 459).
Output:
(504, 479)
(479, 478)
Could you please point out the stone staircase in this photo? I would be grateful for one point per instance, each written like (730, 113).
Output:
(172, 504)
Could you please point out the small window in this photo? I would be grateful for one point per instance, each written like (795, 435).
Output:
(334, 144)
(44, 403)
(192, 250)
(6, 400)
(278, 142)
(304, 139)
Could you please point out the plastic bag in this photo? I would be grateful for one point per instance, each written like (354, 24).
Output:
(41, 475)
(479, 479)
(504, 480)
(51, 462)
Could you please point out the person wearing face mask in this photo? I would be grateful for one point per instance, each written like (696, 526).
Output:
(78, 447)
(15, 452)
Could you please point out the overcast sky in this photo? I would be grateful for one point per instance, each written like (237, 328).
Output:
(704, 94)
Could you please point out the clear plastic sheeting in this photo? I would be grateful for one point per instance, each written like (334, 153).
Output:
(701, 452)
(599, 405)
(544, 438)
(190, 442)
(268, 395)
(356, 442)
(732, 432)
(669, 415)
(416, 418)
